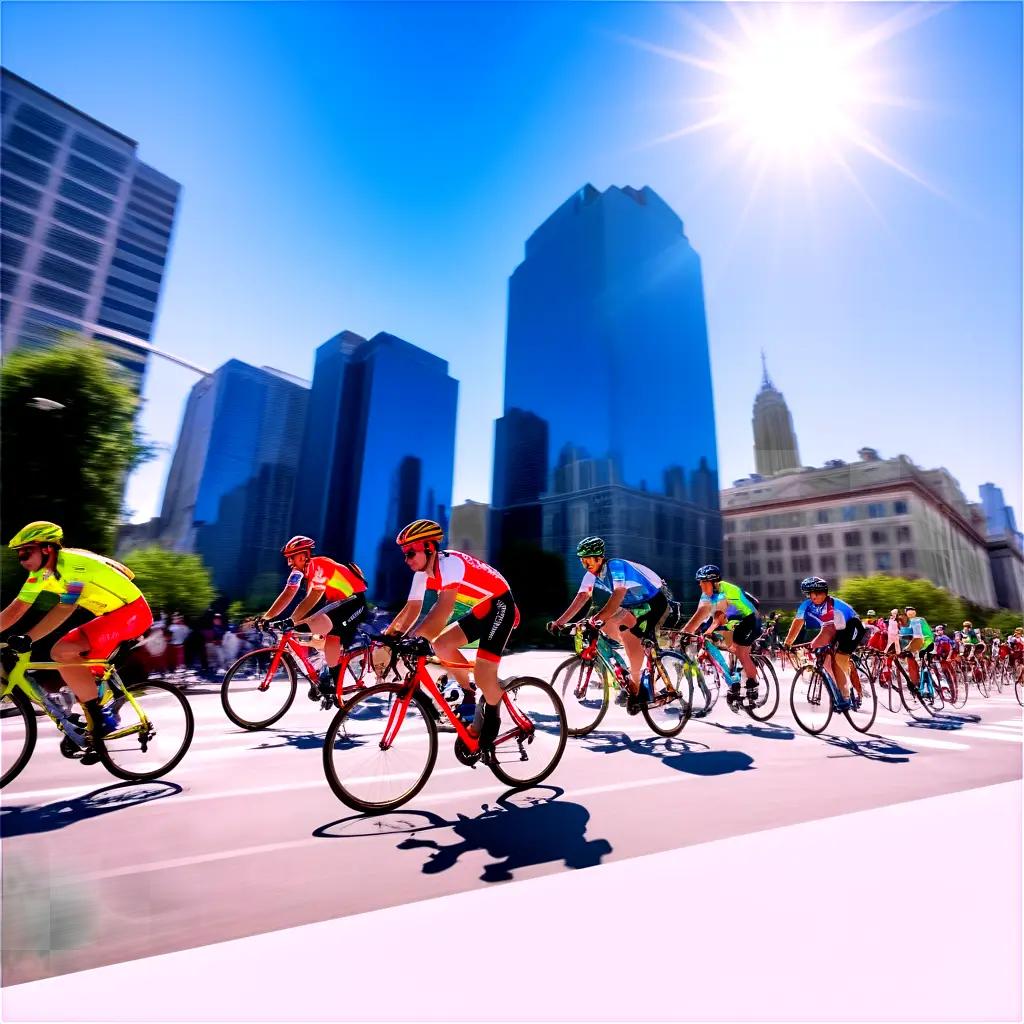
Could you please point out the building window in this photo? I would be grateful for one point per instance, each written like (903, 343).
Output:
(824, 540)
(823, 516)
(801, 563)
(57, 298)
(8, 281)
(30, 143)
(750, 547)
(798, 543)
(900, 508)
(151, 275)
(86, 197)
(158, 193)
(65, 272)
(116, 282)
(775, 567)
(18, 221)
(147, 314)
(92, 175)
(797, 592)
(854, 562)
(828, 563)
(876, 510)
(903, 534)
(12, 250)
(883, 561)
(879, 536)
(851, 539)
(19, 192)
(101, 154)
(773, 544)
(731, 568)
(144, 254)
(728, 526)
(76, 218)
(71, 244)
(906, 559)
(15, 163)
(849, 513)
(40, 121)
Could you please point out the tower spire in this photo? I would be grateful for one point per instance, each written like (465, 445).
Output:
(766, 381)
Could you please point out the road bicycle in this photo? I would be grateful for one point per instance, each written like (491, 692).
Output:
(154, 727)
(1018, 686)
(381, 746)
(714, 669)
(814, 696)
(904, 694)
(584, 683)
(259, 688)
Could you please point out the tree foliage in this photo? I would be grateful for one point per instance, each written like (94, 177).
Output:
(67, 464)
(172, 581)
(883, 593)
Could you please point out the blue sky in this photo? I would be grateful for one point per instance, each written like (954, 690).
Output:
(380, 166)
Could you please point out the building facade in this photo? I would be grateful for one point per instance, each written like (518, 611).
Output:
(232, 478)
(775, 447)
(608, 423)
(467, 530)
(875, 515)
(1005, 547)
(85, 230)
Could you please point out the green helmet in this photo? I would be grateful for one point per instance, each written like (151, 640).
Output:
(590, 547)
(40, 532)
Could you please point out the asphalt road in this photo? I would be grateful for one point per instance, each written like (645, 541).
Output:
(245, 836)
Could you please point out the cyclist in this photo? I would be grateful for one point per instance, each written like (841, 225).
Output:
(80, 579)
(633, 602)
(944, 650)
(916, 637)
(1015, 643)
(876, 631)
(474, 602)
(726, 608)
(974, 646)
(837, 622)
(334, 605)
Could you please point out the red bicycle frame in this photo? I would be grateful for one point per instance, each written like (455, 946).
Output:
(297, 650)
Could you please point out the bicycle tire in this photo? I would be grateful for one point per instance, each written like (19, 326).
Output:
(769, 703)
(817, 693)
(109, 759)
(997, 678)
(914, 706)
(24, 707)
(679, 680)
(862, 720)
(513, 688)
(959, 681)
(254, 724)
(343, 792)
(1018, 689)
(562, 682)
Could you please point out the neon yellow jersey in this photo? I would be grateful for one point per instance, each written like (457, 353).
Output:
(97, 584)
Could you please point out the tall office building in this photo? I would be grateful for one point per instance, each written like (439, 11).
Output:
(608, 424)
(230, 487)
(85, 228)
(378, 451)
(1005, 547)
(775, 446)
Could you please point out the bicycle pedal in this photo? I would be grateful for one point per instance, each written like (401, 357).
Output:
(90, 756)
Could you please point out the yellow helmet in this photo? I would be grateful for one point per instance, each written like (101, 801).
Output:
(420, 529)
(40, 532)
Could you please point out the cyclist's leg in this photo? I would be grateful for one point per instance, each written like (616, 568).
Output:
(337, 622)
(620, 627)
(742, 638)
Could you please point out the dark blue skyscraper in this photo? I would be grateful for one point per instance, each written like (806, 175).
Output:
(378, 451)
(608, 423)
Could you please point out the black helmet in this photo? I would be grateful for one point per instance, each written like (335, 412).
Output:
(709, 572)
(590, 547)
(813, 583)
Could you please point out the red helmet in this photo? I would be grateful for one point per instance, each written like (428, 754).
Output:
(297, 544)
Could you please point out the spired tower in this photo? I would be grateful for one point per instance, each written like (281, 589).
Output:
(774, 438)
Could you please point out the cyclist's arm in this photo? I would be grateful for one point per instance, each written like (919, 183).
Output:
(825, 635)
(307, 603)
(438, 617)
(405, 618)
(700, 615)
(281, 602)
(612, 605)
(53, 619)
(794, 631)
(577, 603)
(12, 614)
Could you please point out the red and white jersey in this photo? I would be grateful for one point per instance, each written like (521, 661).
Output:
(472, 580)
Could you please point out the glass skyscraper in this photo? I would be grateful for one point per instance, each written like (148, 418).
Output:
(85, 227)
(230, 487)
(378, 451)
(609, 424)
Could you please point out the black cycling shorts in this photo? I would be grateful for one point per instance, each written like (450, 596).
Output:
(648, 615)
(746, 630)
(491, 622)
(850, 637)
(345, 617)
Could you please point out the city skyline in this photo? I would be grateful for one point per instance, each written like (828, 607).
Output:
(414, 209)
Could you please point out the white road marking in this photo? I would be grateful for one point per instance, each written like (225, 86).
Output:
(914, 740)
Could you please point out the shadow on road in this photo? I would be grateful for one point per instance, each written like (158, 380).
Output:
(875, 748)
(25, 820)
(523, 829)
(682, 755)
(762, 730)
(945, 722)
(306, 740)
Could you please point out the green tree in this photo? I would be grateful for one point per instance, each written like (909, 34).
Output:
(1004, 621)
(883, 593)
(537, 580)
(67, 464)
(171, 580)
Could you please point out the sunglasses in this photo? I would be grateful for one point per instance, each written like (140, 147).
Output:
(24, 554)
(410, 553)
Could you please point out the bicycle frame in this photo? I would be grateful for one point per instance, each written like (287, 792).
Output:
(288, 643)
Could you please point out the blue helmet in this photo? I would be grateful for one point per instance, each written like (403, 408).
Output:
(709, 572)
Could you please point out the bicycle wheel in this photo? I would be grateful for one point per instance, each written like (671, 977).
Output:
(997, 678)
(17, 734)
(252, 696)
(767, 691)
(915, 706)
(862, 715)
(706, 697)
(958, 682)
(1018, 688)
(526, 754)
(982, 685)
(365, 773)
(584, 690)
(668, 710)
(149, 745)
(811, 700)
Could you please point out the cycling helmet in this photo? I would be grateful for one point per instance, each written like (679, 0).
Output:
(968, 625)
(420, 529)
(40, 532)
(813, 583)
(872, 613)
(590, 547)
(710, 573)
(297, 544)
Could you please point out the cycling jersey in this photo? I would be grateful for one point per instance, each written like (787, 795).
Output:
(943, 646)
(475, 583)
(831, 612)
(337, 581)
(726, 598)
(971, 638)
(918, 629)
(640, 582)
(93, 582)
